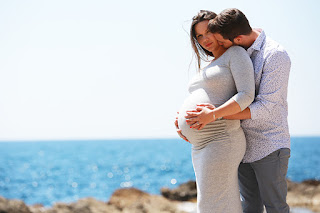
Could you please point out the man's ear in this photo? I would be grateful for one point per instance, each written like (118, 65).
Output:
(238, 39)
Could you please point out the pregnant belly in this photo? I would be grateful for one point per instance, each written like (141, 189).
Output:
(211, 132)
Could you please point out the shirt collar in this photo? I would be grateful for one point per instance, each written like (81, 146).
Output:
(257, 44)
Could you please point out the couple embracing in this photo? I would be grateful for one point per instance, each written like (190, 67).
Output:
(236, 116)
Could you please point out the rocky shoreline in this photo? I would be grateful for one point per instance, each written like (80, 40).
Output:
(179, 200)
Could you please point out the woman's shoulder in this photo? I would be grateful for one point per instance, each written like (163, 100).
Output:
(237, 53)
(237, 50)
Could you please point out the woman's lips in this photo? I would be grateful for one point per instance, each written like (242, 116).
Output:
(207, 45)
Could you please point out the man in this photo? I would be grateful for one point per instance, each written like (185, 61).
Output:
(262, 174)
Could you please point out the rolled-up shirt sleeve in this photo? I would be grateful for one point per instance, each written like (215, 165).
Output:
(273, 85)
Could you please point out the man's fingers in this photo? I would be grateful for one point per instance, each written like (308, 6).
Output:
(191, 114)
(191, 110)
(204, 104)
(210, 106)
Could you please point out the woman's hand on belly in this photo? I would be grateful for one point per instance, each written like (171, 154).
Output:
(179, 130)
(201, 116)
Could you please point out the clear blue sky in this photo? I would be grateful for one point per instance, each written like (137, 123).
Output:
(119, 69)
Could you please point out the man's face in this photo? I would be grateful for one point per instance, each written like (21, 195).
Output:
(226, 43)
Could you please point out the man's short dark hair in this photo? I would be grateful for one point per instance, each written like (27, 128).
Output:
(230, 23)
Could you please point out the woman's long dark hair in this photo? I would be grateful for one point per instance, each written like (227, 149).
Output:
(200, 52)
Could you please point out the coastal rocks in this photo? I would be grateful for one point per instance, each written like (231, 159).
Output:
(305, 194)
(128, 200)
(87, 205)
(132, 200)
(13, 206)
(185, 192)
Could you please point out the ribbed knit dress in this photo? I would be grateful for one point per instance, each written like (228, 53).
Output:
(219, 147)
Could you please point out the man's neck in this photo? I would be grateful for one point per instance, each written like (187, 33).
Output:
(250, 39)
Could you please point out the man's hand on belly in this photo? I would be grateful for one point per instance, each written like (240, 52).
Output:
(209, 106)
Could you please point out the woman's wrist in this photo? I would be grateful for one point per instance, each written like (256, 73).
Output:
(213, 117)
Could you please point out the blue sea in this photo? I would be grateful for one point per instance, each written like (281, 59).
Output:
(46, 172)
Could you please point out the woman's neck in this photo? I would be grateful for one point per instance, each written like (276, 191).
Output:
(218, 52)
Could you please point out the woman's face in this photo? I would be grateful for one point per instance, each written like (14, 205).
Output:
(204, 37)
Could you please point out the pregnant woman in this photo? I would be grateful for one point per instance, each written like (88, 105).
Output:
(217, 148)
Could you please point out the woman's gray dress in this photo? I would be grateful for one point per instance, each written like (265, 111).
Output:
(218, 149)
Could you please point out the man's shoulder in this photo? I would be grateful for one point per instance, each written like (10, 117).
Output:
(274, 54)
(272, 47)
(272, 51)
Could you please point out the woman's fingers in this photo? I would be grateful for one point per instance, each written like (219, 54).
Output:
(191, 120)
(181, 135)
(199, 108)
(195, 125)
(179, 130)
(200, 126)
(176, 123)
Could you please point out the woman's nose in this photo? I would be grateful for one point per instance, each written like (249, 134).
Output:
(205, 38)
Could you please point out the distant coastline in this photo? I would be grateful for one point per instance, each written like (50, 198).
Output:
(142, 139)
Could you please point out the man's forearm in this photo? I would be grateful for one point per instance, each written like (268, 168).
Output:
(245, 114)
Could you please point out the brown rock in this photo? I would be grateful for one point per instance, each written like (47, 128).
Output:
(305, 194)
(13, 206)
(127, 197)
(37, 208)
(312, 182)
(87, 205)
(91, 205)
(184, 192)
(132, 200)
